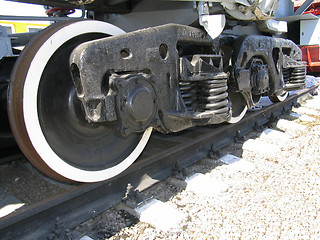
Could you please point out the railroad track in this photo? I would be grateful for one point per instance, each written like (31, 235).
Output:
(158, 161)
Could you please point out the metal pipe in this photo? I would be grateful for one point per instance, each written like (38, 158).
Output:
(21, 39)
(31, 18)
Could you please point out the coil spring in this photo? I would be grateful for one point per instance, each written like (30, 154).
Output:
(188, 93)
(298, 75)
(294, 78)
(213, 95)
(294, 75)
(286, 74)
(206, 95)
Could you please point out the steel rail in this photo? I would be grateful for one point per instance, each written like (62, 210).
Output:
(157, 162)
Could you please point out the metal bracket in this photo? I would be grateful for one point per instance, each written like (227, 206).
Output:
(5, 45)
(273, 26)
(132, 198)
(179, 172)
(239, 138)
(213, 24)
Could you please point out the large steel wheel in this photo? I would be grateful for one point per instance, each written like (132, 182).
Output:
(46, 116)
(279, 96)
(238, 107)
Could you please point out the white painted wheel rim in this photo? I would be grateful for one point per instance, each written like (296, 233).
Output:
(282, 97)
(240, 116)
(30, 111)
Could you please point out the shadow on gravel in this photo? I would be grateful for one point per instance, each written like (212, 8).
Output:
(115, 220)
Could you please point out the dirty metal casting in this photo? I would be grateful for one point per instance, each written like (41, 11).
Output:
(270, 63)
(136, 82)
(176, 79)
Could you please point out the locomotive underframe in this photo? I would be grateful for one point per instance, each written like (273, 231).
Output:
(174, 77)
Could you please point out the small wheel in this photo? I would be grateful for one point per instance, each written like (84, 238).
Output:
(46, 116)
(238, 107)
(279, 96)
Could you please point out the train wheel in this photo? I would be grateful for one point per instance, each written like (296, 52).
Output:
(46, 117)
(279, 96)
(238, 107)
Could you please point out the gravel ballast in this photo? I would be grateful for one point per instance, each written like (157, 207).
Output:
(274, 195)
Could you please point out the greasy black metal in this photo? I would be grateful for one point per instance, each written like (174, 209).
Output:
(80, 144)
(203, 86)
(179, 172)
(158, 161)
(270, 63)
(170, 77)
(294, 77)
(137, 109)
(6, 137)
(134, 78)
(132, 197)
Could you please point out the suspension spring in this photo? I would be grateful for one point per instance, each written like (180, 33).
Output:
(189, 96)
(212, 94)
(294, 77)
(208, 94)
(203, 85)
(298, 75)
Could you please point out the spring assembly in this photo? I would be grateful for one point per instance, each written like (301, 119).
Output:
(189, 96)
(212, 94)
(203, 84)
(294, 78)
(207, 94)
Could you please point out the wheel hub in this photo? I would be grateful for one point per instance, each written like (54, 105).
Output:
(136, 101)
(140, 103)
